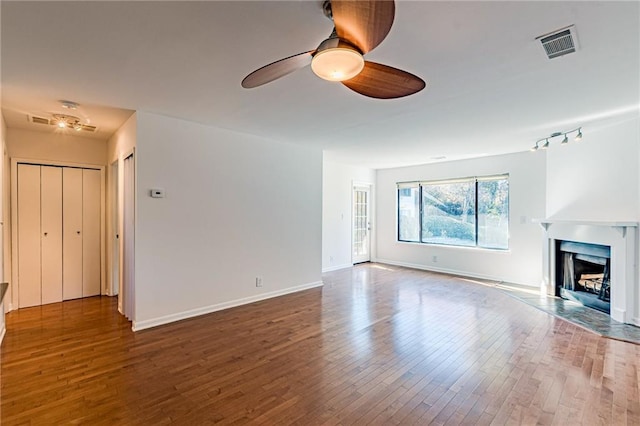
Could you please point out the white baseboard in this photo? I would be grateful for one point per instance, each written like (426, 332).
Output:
(447, 271)
(141, 325)
(619, 315)
(335, 268)
(636, 321)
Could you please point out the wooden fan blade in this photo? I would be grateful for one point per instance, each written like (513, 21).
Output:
(363, 23)
(277, 69)
(384, 82)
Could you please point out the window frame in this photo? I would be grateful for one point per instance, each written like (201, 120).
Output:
(475, 180)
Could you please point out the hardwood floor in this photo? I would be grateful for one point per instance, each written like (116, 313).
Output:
(376, 345)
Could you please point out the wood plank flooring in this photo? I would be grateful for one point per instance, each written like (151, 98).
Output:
(377, 344)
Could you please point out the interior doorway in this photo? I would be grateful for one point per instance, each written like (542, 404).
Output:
(361, 234)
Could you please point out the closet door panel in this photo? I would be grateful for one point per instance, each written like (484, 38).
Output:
(91, 229)
(29, 275)
(71, 233)
(51, 230)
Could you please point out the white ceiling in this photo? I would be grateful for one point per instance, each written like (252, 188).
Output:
(490, 88)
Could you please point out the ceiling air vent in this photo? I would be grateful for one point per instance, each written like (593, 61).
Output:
(39, 120)
(88, 128)
(560, 42)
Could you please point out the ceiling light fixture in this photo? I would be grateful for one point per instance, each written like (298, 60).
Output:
(564, 141)
(336, 60)
(67, 121)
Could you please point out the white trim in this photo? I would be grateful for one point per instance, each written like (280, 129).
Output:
(2, 333)
(610, 223)
(337, 267)
(451, 272)
(142, 325)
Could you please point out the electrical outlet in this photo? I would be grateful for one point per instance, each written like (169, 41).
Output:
(434, 259)
(258, 281)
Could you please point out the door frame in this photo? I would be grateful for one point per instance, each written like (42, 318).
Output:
(370, 204)
(14, 219)
(113, 229)
(121, 242)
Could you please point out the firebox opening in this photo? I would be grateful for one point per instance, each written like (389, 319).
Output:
(583, 274)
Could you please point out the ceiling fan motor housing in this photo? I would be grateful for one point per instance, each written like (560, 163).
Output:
(337, 60)
(336, 43)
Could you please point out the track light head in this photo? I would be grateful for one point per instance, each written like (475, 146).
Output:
(565, 140)
(579, 135)
(534, 148)
(545, 145)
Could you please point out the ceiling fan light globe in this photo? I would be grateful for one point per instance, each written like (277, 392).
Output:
(337, 64)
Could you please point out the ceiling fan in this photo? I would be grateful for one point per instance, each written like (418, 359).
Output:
(359, 27)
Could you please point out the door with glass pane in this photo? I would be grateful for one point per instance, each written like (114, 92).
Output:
(361, 237)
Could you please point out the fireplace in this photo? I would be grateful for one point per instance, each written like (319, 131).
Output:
(603, 255)
(583, 274)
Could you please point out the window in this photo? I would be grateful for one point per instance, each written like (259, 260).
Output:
(409, 214)
(449, 213)
(470, 212)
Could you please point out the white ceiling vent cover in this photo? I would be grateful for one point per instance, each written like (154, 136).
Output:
(560, 42)
(88, 128)
(38, 120)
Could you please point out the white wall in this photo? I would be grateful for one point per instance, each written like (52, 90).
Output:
(337, 190)
(55, 147)
(4, 207)
(5, 230)
(596, 178)
(237, 207)
(521, 264)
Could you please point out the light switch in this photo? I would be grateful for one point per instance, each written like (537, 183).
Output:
(157, 193)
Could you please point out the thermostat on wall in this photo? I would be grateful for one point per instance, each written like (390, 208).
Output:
(157, 193)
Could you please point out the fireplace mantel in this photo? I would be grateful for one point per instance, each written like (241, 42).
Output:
(620, 225)
(621, 236)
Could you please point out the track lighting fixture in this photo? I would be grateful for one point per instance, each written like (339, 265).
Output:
(565, 139)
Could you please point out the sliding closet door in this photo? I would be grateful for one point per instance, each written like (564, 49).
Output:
(91, 230)
(72, 233)
(51, 230)
(29, 290)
